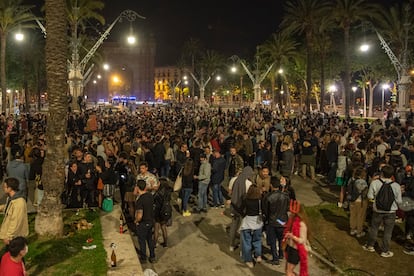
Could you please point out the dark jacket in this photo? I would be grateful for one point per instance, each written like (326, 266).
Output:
(332, 152)
(286, 164)
(276, 207)
(218, 168)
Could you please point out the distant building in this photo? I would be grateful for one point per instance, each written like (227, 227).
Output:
(167, 78)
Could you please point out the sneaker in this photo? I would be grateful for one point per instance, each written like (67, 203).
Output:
(353, 232)
(250, 264)
(275, 262)
(360, 235)
(339, 204)
(259, 259)
(409, 236)
(408, 252)
(232, 248)
(368, 248)
(216, 207)
(388, 254)
(222, 206)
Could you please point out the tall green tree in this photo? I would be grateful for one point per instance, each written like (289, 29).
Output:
(279, 49)
(49, 219)
(303, 16)
(347, 13)
(13, 15)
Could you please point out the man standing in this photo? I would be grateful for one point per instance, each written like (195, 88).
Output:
(150, 179)
(386, 217)
(275, 210)
(203, 178)
(18, 169)
(144, 220)
(217, 176)
(235, 163)
(15, 222)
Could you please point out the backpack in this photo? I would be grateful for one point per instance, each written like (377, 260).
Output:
(351, 190)
(107, 204)
(385, 197)
(396, 161)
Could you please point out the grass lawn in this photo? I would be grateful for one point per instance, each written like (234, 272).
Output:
(65, 256)
(329, 227)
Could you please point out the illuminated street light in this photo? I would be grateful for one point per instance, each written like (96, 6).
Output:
(19, 36)
(364, 48)
(94, 81)
(99, 76)
(218, 78)
(106, 66)
(131, 40)
(280, 71)
(115, 79)
(332, 89)
(233, 69)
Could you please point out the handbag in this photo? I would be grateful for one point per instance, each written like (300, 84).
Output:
(178, 182)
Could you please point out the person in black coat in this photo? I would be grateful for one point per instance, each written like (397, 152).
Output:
(162, 209)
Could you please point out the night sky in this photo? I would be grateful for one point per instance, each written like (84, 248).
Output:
(227, 26)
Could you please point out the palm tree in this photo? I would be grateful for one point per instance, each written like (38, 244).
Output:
(279, 49)
(346, 13)
(303, 16)
(49, 217)
(13, 15)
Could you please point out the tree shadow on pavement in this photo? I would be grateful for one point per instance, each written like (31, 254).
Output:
(216, 234)
(341, 222)
(328, 193)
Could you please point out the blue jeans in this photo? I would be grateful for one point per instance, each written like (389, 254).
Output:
(251, 240)
(274, 234)
(388, 219)
(165, 168)
(217, 195)
(202, 196)
(186, 196)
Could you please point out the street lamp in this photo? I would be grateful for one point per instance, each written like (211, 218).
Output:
(332, 89)
(384, 86)
(354, 89)
(281, 97)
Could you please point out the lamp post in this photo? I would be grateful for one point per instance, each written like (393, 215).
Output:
(332, 90)
(281, 97)
(354, 89)
(384, 86)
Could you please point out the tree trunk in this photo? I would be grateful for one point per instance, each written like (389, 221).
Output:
(322, 83)
(3, 39)
(49, 219)
(308, 73)
(347, 81)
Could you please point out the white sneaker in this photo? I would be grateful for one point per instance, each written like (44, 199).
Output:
(388, 254)
(360, 235)
(368, 248)
(353, 232)
(339, 204)
(409, 236)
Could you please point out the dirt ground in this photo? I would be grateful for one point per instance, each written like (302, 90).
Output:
(330, 230)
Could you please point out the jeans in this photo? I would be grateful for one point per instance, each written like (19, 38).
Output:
(202, 196)
(251, 240)
(388, 219)
(165, 169)
(234, 226)
(186, 196)
(217, 195)
(144, 234)
(275, 233)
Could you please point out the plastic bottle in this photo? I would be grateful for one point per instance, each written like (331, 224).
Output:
(113, 258)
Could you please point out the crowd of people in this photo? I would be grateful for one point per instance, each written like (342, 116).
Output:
(244, 157)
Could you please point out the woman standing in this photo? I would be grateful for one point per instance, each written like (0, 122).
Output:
(187, 185)
(129, 188)
(251, 226)
(295, 238)
(358, 205)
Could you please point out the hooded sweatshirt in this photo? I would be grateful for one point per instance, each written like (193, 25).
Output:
(15, 222)
(240, 187)
(17, 169)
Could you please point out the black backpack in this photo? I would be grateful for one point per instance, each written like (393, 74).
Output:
(385, 197)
